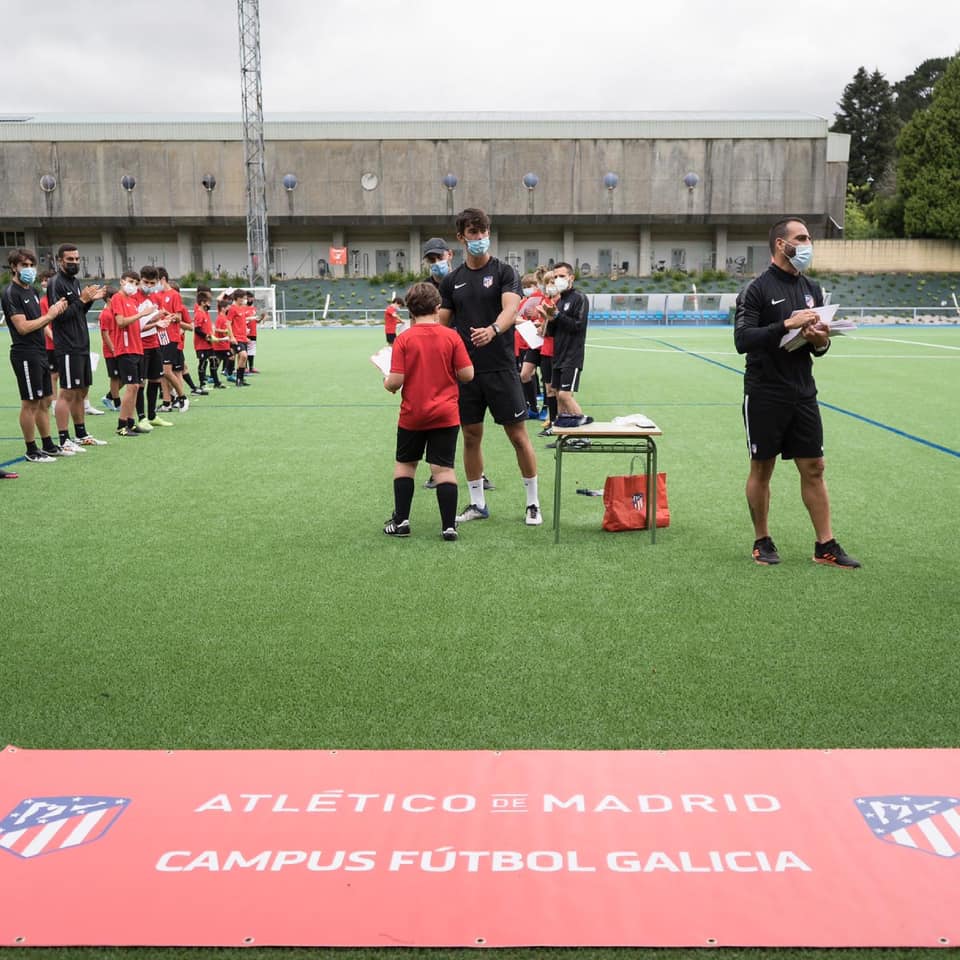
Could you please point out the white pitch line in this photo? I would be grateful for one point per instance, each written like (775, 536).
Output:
(911, 343)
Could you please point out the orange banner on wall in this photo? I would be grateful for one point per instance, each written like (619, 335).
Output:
(338, 255)
(429, 848)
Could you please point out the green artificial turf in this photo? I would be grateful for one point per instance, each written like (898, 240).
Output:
(225, 583)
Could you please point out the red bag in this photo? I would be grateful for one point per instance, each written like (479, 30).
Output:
(625, 502)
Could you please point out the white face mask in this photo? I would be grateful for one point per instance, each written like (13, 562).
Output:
(562, 284)
(129, 289)
(528, 291)
(552, 291)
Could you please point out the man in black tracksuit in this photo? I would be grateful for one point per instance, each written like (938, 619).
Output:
(72, 340)
(780, 410)
(569, 328)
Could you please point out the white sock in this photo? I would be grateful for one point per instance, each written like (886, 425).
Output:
(476, 493)
(533, 497)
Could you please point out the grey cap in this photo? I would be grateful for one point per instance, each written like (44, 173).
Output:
(435, 245)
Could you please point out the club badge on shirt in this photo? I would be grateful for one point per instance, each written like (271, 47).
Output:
(488, 281)
(808, 300)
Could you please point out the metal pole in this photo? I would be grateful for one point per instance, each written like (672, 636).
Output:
(253, 148)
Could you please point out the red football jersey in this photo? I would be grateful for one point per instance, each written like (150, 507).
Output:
(201, 329)
(429, 356)
(127, 339)
(238, 323)
(109, 327)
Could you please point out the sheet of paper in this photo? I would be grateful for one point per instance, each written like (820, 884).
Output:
(381, 359)
(528, 331)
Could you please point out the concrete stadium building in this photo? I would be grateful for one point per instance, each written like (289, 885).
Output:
(627, 193)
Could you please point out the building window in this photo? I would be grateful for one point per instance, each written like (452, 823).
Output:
(13, 238)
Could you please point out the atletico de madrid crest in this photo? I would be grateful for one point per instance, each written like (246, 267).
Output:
(40, 825)
(488, 281)
(808, 300)
(927, 824)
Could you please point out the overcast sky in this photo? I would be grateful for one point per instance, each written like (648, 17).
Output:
(393, 55)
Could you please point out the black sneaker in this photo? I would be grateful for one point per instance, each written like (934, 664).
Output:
(833, 554)
(395, 528)
(545, 432)
(487, 485)
(450, 534)
(38, 456)
(431, 484)
(765, 552)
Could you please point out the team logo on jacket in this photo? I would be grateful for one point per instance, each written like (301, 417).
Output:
(927, 824)
(488, 281)
(48, 824)
(808, 300)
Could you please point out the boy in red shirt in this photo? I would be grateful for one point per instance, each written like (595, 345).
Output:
(391, 317)
(427, 362)
(129, 306)
(202, 336)
(237, 315)
(221, 343)
(108, 333)
(252, 319)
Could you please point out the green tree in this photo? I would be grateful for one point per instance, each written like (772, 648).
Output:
(868, 113)
(856, 222)
(929, 162)
(915, 91)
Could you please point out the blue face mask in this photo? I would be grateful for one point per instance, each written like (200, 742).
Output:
(478, 247)
(802, 256)
(440, 269)
(28, 274)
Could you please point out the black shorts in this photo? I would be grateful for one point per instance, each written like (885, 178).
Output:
(498, 390)
(566, 379)
(172, 356)
(239, 347)
(33, 374)
(152, 368)
(130, 368)
(532, 356)
(792, 428)
(52, 360)
(440, 445)
(546, 370)
(113, 367)
(75, 370)
(391, 337)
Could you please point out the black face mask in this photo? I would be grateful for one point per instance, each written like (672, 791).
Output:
(71, 269)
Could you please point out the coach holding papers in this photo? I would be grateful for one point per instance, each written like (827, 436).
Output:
(780, 411)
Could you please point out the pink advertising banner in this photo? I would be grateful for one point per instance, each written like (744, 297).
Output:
(483, 849)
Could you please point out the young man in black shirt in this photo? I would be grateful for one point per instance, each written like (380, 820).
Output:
(72, 345)
(28, 353)
(480, 300)
(780, 410)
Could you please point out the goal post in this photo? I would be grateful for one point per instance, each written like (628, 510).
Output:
(264, 299)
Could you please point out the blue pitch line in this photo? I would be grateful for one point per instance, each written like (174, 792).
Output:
(830, 406)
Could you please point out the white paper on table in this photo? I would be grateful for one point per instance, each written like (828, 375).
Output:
(528, 330)
(636, 420)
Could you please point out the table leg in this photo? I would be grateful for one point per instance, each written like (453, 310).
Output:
(557, 456)
(652, 499)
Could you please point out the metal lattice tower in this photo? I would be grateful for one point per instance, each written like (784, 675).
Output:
(253, 149)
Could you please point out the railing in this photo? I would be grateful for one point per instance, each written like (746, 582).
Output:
(373, 316)
(901, 314)
(335, 316)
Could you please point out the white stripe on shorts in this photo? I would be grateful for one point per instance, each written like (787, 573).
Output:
(746, 421)
(26, 377)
